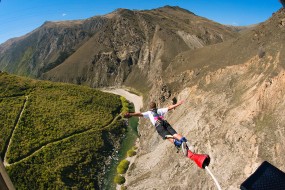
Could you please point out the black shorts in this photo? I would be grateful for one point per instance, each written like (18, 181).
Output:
(164, 128)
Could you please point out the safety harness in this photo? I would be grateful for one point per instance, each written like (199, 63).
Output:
(157, 118)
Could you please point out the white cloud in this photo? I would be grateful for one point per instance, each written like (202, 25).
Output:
(64, 14)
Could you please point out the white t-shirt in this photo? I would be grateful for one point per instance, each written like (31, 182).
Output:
(161, 112)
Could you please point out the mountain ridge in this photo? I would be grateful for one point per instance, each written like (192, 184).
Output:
(138, 56)
(123, 41)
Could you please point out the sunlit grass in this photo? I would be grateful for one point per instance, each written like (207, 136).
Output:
(64, 135)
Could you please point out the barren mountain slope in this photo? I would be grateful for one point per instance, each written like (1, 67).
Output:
(136, 46)
(117, 48)
(47, 46)
(234, 111)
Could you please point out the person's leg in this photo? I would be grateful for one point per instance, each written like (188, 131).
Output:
(177, 136)
(175, 140)
(163, 132)
(171, 140)
(179, 140)
(165, 128)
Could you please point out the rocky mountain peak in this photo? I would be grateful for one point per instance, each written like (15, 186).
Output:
(174, 8)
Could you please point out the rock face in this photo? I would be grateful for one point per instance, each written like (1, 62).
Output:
(233, 111)
(114, 49)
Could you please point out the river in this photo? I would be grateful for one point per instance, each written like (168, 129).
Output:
(130, 138)
(135, 99)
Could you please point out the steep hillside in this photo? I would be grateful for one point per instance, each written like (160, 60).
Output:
(118, 48)
(234, 107)
(137, 46)
(57, 136)
(46, 47)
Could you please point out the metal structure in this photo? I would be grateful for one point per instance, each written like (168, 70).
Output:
(5, 181)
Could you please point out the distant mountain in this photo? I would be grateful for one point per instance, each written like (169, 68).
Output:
(47, 46)
(242, 29)
(116, 48)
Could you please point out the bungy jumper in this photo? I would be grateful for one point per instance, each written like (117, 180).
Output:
(201, 160)
(165, 130)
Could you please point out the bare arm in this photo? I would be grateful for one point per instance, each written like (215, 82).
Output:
(138, 114)
(175, 105)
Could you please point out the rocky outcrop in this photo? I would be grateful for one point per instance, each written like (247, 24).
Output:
(237, 119)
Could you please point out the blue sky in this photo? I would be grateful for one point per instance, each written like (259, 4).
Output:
(18, 17)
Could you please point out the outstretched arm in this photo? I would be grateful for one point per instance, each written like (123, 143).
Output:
(138, 114)
(175, 105)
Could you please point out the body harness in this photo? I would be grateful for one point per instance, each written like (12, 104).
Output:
(157, 118)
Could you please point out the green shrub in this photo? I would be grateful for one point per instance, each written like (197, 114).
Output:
(123, 167)
(131, 153)
(123, 187)
(125, 105)
(119, 179)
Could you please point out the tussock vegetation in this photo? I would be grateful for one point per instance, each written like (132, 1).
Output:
(123, 167)
(119, 179)
(131, 152)
(10, 109)
(64, 135)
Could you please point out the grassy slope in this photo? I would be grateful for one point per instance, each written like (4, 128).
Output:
(64, 134)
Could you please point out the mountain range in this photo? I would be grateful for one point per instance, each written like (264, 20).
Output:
(112, 49)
